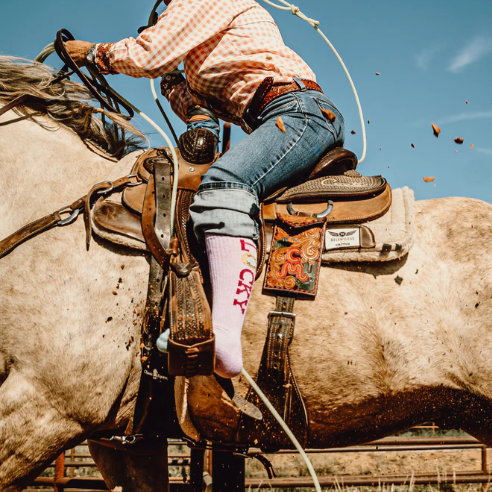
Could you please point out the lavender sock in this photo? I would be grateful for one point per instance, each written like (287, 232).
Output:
(232, 263)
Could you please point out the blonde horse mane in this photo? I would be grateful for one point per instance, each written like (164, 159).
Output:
(65, 103)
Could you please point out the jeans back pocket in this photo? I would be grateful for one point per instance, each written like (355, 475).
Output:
(333, 118)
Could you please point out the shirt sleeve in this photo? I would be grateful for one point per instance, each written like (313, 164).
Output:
(183, 26)
(180, 100)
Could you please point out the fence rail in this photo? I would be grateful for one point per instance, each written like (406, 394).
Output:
(67, 464)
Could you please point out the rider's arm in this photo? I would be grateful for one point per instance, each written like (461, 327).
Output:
(183, 26)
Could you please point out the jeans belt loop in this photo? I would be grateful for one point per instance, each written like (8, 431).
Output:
(249, 120)
(300, 83)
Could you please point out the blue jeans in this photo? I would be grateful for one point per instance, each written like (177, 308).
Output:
(227, 201)
(207, 124)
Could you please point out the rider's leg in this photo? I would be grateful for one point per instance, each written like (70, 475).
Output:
(232, 263)
(227, 203)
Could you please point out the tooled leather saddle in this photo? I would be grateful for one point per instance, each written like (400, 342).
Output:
(294, 221)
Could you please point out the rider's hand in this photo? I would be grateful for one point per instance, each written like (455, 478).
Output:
(78, 51)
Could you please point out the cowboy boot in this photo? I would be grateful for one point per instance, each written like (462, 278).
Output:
(199, 143)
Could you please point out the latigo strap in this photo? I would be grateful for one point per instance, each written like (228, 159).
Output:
(277, 381)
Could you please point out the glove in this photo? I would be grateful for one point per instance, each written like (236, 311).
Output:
(169, 81)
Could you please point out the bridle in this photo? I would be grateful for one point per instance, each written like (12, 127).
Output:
(95, 83)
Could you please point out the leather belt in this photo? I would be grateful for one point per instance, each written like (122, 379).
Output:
(268, 91)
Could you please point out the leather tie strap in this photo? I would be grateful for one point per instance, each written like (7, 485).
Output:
(162, 216)
(16, 102)
(27, 232)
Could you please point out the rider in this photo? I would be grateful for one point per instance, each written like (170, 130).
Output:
(237, 66)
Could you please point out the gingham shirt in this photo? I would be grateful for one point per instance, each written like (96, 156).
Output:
(228, 47)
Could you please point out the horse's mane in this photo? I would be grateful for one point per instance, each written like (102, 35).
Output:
(66, 103)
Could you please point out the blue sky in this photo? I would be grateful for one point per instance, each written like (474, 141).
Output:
(432, 56)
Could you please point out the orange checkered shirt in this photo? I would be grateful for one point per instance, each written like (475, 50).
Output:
(228, 47)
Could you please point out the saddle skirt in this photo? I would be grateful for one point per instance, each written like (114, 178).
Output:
(378, 227)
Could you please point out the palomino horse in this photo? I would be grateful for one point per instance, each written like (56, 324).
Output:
(372, 356)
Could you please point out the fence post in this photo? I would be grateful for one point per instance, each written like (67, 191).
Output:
(59, 471)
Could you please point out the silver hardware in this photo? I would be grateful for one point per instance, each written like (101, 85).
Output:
(191, 169)
(107, 190)
(321, 215)
(327, 212)
(155, 374)
(281, 313)
(130, 176)
(73, 215)
(124, 439)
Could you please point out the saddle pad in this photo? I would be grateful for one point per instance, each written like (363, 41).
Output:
(392, 233)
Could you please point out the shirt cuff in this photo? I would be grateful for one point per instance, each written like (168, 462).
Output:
(102, 58)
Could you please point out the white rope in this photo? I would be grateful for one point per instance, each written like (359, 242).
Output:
(314, 23)
(285, 427)
(171, 148)
(47, 50)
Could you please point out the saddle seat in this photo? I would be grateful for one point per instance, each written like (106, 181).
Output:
(334, 188)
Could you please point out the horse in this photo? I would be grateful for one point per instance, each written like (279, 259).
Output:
(385, 346)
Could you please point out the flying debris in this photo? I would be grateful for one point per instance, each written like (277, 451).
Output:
(413, 145)
(280, 125)
(378, 73)
(329, 114)
(472, 146)
(353, 132)
(429, 179)
(459, 140)
(436, 129)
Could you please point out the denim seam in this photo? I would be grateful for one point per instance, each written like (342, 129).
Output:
(219, 186)
(320, 101)
(307, 120)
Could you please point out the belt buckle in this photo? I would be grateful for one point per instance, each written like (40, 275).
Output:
(286, 314)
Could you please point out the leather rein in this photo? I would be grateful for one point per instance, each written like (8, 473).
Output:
(96, 83)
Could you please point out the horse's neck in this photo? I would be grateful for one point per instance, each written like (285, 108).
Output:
(42, 170)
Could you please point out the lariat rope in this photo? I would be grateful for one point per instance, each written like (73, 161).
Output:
(314, 23)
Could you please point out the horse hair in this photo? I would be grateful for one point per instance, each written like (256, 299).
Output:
(67, 103)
